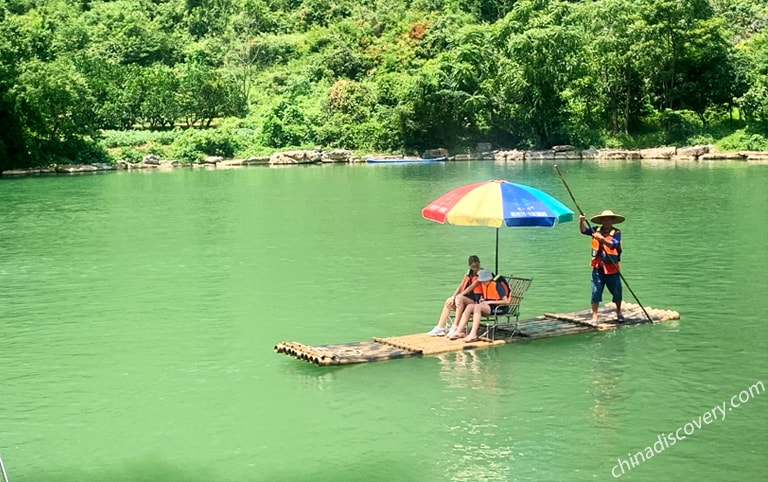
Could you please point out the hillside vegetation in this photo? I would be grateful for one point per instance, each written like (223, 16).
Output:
(90, 80)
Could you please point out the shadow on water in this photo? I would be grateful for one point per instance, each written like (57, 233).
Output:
(137, 470)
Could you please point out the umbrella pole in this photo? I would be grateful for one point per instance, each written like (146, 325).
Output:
(497, 252)
(609, 259)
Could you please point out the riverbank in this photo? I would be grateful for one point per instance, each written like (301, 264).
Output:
(342, 156)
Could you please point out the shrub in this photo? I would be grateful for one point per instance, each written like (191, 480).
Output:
(130, 154)
(194, 145)
(112, 139)
(286, 125)
(743, 140)
(679, 125)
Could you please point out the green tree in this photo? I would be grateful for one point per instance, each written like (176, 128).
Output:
(285, 126)
(246, 32)
(159, 106)
(207, 17)
(12, 136)
(205, 93)
(754, 102)
(742, 18)
(116, 89)
(546, 48)
(323, 12)
(55, 103)
(347, 106)
(486, 10)
(674, 32)
(131, 32)
(607, 89)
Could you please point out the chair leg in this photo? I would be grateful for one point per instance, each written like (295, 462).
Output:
(515, 330)
(491, 328)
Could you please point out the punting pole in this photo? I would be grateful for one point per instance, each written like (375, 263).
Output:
(3, 475)
(557, 170)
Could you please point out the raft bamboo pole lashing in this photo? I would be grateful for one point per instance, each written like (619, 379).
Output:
(420, 344)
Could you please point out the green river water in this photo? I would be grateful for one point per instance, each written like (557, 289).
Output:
(138, 315)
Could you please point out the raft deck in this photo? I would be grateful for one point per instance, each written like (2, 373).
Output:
(545, 326)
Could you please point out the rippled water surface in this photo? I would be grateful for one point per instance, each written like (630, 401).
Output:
(138, 312)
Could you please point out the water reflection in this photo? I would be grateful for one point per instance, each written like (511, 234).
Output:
(310, 376)
(605, 375)
(469, 369)
(478, 426)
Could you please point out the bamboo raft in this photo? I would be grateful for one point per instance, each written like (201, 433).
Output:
(544, 326)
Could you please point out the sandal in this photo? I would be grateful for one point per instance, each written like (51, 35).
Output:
(471, 340)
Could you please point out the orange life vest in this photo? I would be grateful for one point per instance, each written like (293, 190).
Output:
(606, 257)
(470, 278)
(494, 290)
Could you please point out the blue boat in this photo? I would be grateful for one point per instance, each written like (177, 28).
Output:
(404, 160)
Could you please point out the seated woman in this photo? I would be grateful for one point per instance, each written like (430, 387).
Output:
(467, 292)
(494, 299)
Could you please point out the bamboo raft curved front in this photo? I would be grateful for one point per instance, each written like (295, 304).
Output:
(544, 326)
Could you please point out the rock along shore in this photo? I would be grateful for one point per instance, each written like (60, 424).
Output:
(483, 152)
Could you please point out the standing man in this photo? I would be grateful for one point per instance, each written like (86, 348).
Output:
(606, 254)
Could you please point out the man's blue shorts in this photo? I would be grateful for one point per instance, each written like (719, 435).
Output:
(600, 281)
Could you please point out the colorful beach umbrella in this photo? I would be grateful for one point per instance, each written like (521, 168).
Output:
(497, 203)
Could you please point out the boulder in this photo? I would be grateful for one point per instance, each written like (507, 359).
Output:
(685, 158)
(230, 163)
(169, 164)
(722, 156)
(540, 155)
(295, 157)
(76, 168)
(513, 155)
(691, 151)
(484, 147)
(16, 172)
(256, 161)
(433, 153)
(755, 156)
(563, 148)
(617, 154)
(658, 153)
(151, 159)
(563, 155)
(128, 165)
(336, 155)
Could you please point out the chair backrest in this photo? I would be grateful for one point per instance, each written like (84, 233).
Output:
(517, 289)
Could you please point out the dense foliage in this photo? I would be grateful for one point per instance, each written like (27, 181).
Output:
(390, 75)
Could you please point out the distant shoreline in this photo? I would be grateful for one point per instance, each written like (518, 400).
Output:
(340, 156)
